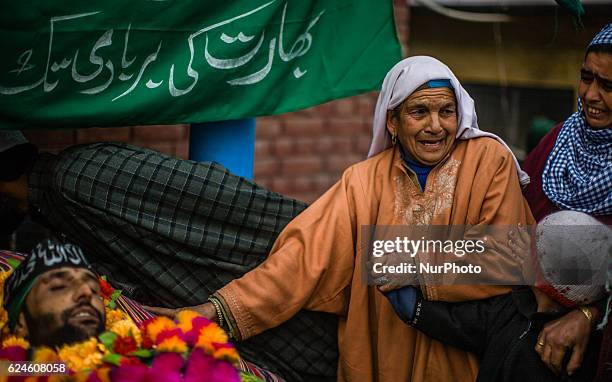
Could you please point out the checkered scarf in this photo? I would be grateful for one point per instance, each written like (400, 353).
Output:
(604, 37)
(577, 175)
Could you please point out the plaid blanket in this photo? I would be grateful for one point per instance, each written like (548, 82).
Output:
(170, 232)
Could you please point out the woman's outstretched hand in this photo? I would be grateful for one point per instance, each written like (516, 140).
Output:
(207, 310)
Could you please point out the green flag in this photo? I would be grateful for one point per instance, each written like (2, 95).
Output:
(119, 63)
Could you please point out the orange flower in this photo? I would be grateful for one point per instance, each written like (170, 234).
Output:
(45, 355)
(158, 325)
(227, 353)
(103, 374)
(82, 356)
(172, 344)
(113, 316)
(15, 341)
(209, 335)
(185, 319)
(127, 328)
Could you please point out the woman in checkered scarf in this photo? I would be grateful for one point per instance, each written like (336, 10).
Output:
(571, 169)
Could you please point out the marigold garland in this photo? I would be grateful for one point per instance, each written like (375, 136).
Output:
(190, 348)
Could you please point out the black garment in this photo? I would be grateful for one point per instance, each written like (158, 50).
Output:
(502, 331)
(170, 232)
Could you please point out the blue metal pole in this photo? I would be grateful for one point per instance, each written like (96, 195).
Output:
(231, 143)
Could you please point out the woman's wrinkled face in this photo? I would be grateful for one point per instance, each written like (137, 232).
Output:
(596, 90)
(426, 124)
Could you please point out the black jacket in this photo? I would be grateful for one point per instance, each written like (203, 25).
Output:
(502, 331)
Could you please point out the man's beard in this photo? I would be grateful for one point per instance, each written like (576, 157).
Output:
(39, 334)
(11, 216)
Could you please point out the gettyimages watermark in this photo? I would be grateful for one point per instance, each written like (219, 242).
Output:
(487, 255)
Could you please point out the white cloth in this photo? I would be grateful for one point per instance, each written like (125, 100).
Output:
(10, 139)
(403, 79)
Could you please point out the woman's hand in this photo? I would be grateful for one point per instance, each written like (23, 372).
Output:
(569, 333)
(392, 281)
(207, 310)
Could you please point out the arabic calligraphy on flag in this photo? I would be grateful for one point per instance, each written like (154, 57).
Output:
(100, 63)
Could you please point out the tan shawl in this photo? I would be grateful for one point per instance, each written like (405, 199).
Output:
(316, 261)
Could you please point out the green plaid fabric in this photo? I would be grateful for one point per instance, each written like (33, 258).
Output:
(170, 232)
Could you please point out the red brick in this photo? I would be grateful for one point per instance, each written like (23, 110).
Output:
(263, 148)
(44, 138)
(366, 104)
(304, 127)
(304, 184)
(344, 107)
(306, 145)
(162, 147)
(338, 163)
(283, 147)
(106, 134)
(366, 127)
(325, 145)
(323, 182)
(348, 126)
(265, 182)
(342, 144)
(165, 133)
(281, 185)
(325, 110)
(307, 197)
(268, 127)
(301, 165)
(182, 149)
(266, 167)
(362, 144)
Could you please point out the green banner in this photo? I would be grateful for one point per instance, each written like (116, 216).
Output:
(120, 63)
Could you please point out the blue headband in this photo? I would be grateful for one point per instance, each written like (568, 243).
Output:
(442, 83)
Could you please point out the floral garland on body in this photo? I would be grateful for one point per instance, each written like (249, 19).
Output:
(190, 348)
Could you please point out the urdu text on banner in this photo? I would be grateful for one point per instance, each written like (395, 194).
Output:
(119, 63)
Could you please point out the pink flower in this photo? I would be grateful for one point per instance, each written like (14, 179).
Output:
(197, 324)
(168, 362)
(204, 367)
(129, 373)
(169, 333)
(13, 353)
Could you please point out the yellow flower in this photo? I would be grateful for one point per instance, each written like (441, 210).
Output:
(82, 356)
(158, 325)
(3, 318)
(172, 344)
(184, 318)
(3, 314)
(127, 328)
(208, 335)
(228, 354)
(114, 315)
(15, 341)
(103, 374)
(45, 355)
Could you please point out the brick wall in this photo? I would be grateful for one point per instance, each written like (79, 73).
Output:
(298, 154)
(302, 154)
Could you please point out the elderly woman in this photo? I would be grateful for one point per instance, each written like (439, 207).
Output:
(429, 165)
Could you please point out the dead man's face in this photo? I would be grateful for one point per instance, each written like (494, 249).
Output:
(64, 306)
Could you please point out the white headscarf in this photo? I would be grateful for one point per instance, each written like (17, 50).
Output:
(403, 79)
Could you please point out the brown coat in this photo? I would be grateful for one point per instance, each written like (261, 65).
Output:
(316, 262)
